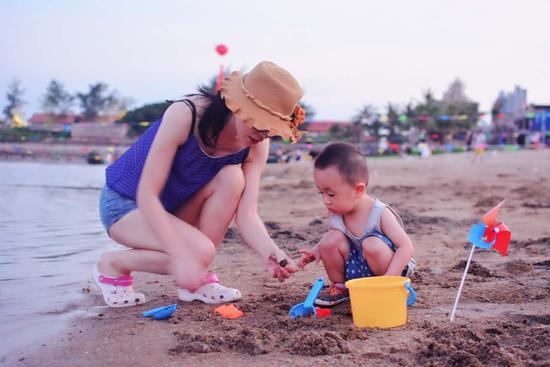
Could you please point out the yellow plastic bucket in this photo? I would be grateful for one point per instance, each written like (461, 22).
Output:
(380, 301)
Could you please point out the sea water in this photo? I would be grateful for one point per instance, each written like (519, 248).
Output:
(50, 237)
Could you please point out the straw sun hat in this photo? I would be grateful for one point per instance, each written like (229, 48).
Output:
(266, 98)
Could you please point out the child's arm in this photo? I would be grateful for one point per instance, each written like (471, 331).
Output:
(404, 246)
(248, 221)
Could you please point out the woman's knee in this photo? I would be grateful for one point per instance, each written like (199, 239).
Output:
(203, 251)
(209, 252)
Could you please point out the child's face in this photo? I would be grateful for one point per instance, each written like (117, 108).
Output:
(338, 195)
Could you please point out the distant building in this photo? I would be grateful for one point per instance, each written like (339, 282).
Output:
(95, 132)
(536, 119)
(508, 109)
(50, 122)
(320, 131)
(513, 104)
(102, 130)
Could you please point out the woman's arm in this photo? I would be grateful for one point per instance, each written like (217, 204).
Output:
(404, 246)
(173, 131)
(248, 221)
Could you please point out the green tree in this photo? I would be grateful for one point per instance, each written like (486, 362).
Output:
(99, 100)
(57, 101)
(310, 113)
(462, 112)
(14, 95)
(426, 113)
(337, 132)
(149, 112)
(365, 119)
(394, 124)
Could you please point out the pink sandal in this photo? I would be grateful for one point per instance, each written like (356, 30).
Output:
(117, 292)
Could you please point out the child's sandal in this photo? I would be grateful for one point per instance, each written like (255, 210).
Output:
(117, 292)
(211, 292)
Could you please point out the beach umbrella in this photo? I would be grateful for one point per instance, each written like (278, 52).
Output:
(486, 234)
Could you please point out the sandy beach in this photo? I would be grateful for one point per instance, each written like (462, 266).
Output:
(503, 317)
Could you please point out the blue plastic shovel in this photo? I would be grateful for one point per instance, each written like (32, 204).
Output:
(306, 308)
(161, 313)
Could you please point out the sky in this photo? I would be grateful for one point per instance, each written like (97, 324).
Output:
(345, 54)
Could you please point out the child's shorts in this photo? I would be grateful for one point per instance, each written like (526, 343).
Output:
(356, 266)
(113, 206)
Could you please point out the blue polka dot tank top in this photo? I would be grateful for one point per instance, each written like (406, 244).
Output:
(191, 170)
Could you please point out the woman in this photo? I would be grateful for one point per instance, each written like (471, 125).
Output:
(172, 195)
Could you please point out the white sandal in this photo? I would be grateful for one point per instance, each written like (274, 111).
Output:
(212, 292)
(117, 292)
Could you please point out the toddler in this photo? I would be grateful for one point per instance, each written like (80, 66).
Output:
(366, 237)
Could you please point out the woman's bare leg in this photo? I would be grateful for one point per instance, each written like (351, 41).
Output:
(211, 209)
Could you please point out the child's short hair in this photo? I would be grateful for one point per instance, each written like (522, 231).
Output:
(348, 159)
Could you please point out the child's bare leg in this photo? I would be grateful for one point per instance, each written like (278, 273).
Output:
(377, 254)
(334, 251)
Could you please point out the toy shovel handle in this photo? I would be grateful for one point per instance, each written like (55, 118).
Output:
(412, 294)
(314, 292)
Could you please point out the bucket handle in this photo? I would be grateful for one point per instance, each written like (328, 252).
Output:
(412, 294)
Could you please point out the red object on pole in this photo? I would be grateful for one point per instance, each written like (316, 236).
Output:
(221, 49)
(219, 80)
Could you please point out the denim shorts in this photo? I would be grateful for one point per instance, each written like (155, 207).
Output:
(113, 206)
(356, 266)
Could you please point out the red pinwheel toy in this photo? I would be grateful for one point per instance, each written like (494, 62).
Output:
(486, 234)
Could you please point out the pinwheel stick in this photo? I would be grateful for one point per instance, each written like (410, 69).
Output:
(462, 283)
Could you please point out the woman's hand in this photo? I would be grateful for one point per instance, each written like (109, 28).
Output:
(280, 265)
(309, 256)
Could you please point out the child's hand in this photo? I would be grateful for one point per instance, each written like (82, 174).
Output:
(309, 256)
(280, 265)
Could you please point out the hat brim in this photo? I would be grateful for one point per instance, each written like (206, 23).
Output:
(249, 112)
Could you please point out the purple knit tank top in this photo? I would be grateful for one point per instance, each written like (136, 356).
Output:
(191, 170)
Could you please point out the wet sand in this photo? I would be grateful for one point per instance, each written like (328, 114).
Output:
(503, 316)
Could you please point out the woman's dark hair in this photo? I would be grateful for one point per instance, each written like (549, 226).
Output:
(214, 117)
